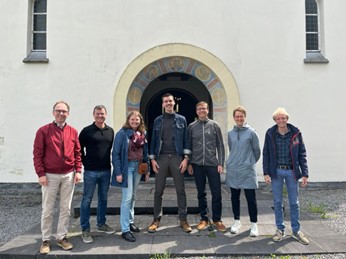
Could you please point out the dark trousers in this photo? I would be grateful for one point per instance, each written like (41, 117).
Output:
(250, 195)
(169, 165)
(201, 173)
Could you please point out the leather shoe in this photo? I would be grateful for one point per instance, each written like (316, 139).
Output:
(154, 226)
(220, 226)
(203, 224)
(128, 236)
(185, 226)
(134, 228)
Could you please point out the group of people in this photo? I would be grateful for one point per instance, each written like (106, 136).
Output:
(175, 147)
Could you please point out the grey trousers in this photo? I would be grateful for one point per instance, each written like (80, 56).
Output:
(169, 165)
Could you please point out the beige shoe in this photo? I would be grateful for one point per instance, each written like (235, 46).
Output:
(220, 226)
(64, 244)
(203, 224)
(185, 226)
(301, 238)
(45, 247)
(154, 226)
(279, 235)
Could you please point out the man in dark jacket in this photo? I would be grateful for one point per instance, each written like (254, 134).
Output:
(284, 161)
(169, 154)
(207, 159)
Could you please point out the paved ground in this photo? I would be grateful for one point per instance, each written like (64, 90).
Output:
(171, 240)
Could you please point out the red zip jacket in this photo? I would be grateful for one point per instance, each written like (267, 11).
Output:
(56, 150)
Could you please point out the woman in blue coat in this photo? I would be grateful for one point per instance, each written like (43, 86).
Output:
(130, 148)
(244, 152)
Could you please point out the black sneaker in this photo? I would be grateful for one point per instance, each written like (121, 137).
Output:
(128, 236)
(134, 228)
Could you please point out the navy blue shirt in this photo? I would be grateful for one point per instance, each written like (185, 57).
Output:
(282, 143)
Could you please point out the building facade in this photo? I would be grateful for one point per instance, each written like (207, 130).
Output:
(126, 54)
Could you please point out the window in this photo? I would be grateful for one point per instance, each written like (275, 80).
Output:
(311, 20)
(313, 32)
(38, 32)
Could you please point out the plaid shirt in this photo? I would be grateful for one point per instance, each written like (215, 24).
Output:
(282, 143)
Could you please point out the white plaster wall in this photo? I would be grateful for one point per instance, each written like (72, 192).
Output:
(91, 43)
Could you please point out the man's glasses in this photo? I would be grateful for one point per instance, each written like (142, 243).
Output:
(61, 111)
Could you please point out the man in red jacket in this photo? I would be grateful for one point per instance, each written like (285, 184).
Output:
(57, 162)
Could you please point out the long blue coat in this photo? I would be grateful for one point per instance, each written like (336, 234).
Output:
(244, 152)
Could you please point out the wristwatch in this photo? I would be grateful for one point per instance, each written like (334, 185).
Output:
(186, 157)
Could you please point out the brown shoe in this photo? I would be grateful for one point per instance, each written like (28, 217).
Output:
(64, 244)
(185, 226)
(154, 226)
(221, 227)
(203, 224)
(45, 247)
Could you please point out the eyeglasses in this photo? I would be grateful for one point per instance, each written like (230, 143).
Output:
(61, 111)
(202, 108)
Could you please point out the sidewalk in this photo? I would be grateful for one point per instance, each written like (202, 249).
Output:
(171, 240)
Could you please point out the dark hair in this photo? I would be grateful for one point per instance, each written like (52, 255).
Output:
(99, 107)
(166, 95)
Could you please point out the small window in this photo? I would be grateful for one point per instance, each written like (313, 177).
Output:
(38, 39)
(39, 32)
(313, 33)
(311, 21)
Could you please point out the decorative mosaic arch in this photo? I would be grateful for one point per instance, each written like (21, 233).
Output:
(181, 65)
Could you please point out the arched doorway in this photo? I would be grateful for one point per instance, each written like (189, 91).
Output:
(208, 86)
(131, 89)
(187, 91)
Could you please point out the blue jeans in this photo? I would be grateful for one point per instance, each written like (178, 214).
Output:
(201, 174)
(91, 179)
(127, 211)
(287, 177)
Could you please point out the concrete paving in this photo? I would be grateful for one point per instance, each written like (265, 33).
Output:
(171, 241)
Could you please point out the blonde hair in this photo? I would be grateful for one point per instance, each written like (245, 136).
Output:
(141, 126)
(280, 110)
(239, 109)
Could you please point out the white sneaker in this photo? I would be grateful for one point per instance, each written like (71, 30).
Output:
(253, 230)
(236, 226)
